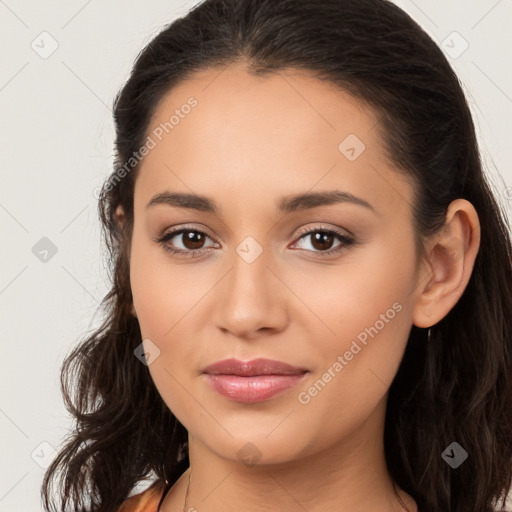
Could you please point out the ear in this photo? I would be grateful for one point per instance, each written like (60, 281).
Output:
(451, 257)
(120, 216)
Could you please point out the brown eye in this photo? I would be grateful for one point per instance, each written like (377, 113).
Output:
(184, 242)
(322, 240)
(193, 239)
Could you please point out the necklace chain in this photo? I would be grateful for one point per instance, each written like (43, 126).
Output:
(186, 494)
(188, 488)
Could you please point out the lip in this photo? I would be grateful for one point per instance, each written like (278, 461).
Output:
(252, 381)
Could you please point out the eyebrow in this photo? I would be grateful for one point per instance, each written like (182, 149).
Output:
(286, 205)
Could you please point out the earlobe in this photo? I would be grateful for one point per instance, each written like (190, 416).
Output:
(451, 258)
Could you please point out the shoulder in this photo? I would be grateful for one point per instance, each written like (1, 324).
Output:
(146, 501)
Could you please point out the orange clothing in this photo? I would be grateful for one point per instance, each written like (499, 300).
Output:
(146, 501)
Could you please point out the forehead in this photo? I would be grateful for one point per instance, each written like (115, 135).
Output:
(238, 137)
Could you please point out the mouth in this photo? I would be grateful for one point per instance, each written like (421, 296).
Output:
(252, 381)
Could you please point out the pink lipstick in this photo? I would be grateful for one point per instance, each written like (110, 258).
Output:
(252, 381)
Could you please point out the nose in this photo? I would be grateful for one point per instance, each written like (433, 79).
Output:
(251, 300)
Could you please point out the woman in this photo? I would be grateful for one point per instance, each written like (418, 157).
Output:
(312, 294)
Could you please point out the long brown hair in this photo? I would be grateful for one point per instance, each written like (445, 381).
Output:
(455, 388)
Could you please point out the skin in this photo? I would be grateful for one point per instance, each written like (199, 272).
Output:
(249, 142)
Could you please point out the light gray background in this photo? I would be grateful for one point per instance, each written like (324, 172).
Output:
(57, 146)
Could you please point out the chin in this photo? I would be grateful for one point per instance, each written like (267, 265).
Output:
(257, 449)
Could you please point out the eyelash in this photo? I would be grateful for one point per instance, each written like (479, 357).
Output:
(347, 241)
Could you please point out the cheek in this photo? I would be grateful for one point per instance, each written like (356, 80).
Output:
(162, 292)
(167, 299)
(147, 283)
(365, 311)
(161, 301)
(368, 291)
(154, 297)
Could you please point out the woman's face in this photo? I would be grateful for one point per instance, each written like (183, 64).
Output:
(249, 282)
